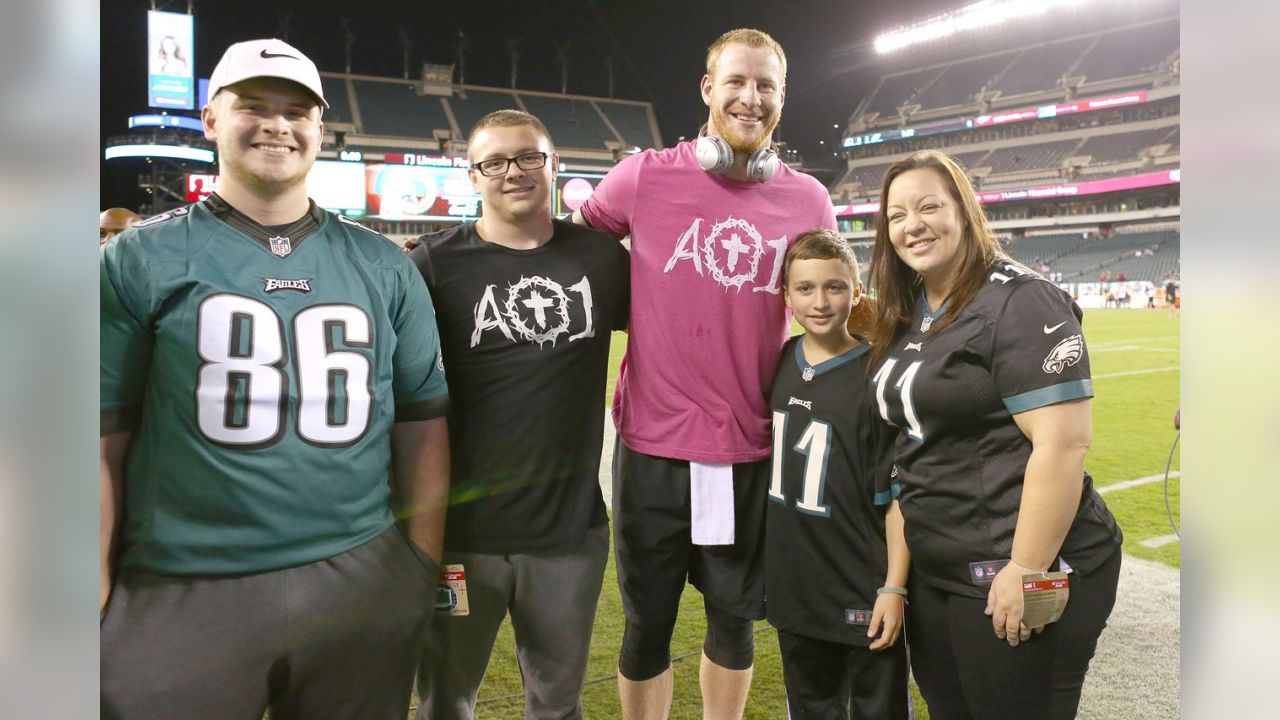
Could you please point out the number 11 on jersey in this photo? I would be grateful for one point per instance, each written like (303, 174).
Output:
(903, 386)
(815, 445)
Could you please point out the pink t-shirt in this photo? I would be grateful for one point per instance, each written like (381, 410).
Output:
(707, 315)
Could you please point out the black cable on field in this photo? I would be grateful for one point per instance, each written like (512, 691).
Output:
(1167, 509)
(761, 627)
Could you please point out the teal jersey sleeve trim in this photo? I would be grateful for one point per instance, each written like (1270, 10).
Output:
(1051, 395)
(884, 497)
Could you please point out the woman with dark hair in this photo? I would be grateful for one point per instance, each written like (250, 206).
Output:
(981, 365)
(169, 59)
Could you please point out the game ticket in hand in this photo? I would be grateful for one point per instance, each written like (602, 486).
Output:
(1044, 597)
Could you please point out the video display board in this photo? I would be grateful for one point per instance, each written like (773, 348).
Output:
(171, 60)
(420, 192)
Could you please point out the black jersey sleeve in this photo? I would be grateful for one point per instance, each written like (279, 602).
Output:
(1038, 355)
(622, 310)
(421, 257)
(886, 484)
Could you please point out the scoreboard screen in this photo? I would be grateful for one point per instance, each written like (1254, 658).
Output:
(417, 192)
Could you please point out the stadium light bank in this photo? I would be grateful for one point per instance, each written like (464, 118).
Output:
(970, 17)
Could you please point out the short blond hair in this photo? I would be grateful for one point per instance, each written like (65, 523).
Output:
(749, 37)
(509, 118)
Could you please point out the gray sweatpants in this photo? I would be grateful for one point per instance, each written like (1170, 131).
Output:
(552, 599)
(333, 639)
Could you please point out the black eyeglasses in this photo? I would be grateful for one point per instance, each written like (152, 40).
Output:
(499, 166)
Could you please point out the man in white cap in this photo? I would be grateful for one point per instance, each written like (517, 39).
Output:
(263, 363)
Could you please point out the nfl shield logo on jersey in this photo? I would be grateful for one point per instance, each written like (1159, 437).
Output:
(280, 245)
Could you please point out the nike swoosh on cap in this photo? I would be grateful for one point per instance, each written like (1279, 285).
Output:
(267, 55)
(1049, 330)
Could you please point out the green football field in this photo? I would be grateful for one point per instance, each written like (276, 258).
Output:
(1135, 364)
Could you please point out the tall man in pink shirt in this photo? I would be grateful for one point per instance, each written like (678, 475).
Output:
(710, 221)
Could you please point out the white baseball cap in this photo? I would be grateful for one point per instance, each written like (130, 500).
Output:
(266, 58)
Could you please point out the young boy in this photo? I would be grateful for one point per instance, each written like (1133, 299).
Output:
(835, 558)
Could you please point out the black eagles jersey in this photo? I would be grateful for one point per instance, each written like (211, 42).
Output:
(825, 551)
(528, 332)
(961, 458)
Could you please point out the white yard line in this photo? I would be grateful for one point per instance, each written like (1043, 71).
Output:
(1136, 372)
(1159, 541)
(1135, 483)
(1130, 341)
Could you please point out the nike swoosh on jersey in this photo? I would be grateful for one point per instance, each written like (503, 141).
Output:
(268, 56)
(1050, 330)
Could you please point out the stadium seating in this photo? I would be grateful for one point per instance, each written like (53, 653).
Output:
(1130, 52)
(1120, 147)
(573, 123)
(631, 121)
(1122, 252)
(1046, 247)
(1040, 156)
(895, 90)
(472, 104)
(395, 109)
(1037, 69)
(1104, 57)
(961, 81)
(335, 93)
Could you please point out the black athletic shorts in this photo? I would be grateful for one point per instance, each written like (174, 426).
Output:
(652, 546)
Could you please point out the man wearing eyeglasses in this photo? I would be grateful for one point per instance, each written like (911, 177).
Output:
(525, 305)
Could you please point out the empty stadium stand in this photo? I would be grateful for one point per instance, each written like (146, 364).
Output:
(469, 105)
(393, 108)
(1120, 147)
(1039, 68)
(1099, 59)
(1046, 247)
(576, 123)
(1141, 256)
(387, 114)
(1129, 52)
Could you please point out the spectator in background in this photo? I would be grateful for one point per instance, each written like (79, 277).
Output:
(114, 221)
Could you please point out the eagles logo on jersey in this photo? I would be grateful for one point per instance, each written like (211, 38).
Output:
(1064, 354)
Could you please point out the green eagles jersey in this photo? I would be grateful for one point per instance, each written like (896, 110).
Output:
(261, 385)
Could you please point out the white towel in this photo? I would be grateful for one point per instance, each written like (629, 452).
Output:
(711, 504)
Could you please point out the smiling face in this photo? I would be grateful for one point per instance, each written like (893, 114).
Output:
(926, 226)
(745, 93)
(822, 293)
(268, 132)
(517, 194)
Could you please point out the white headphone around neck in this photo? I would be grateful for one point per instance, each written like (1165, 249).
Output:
(715, 155)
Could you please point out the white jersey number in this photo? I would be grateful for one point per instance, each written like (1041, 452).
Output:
(815, 445)
(903, 386)
(242, 388)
